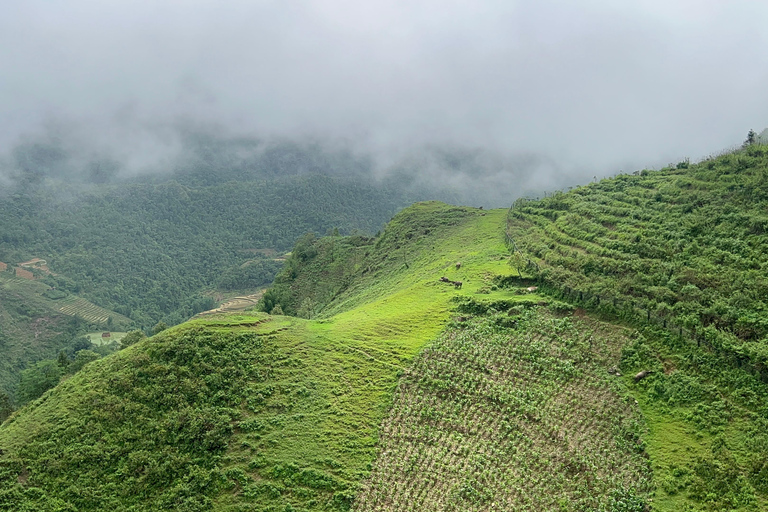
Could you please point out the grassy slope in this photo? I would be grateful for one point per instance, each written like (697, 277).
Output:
(243, 412)
(687, 245)
(304, 398)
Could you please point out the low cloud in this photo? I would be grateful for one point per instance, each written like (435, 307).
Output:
(545, 92)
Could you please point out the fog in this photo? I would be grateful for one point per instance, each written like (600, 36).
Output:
(523, 95)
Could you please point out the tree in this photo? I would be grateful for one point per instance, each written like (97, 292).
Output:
(159, 327)
(131, 338)
(82, 358)
(63, 360)
(39, 378)
(6, 407)
(751, 139)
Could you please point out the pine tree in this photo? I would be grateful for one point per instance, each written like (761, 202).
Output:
(751, 139)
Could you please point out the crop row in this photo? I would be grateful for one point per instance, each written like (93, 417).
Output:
(86, 310)
(492, 418)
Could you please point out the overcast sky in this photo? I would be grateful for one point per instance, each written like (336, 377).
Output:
(586, 84)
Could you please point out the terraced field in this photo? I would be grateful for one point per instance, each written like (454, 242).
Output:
(77, 306)
(236, 304)
(683, 247)
(680, 254)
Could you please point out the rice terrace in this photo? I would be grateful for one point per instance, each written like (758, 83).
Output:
(77, 306)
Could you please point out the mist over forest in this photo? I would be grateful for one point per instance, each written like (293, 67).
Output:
(206, 156)
(314, 255)
(485, 102)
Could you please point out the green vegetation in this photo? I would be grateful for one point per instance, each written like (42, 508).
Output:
(237, 412)
(36, 327)
(603, 352)
(512, 413)
(148, 251)
(681, 254)
(131, 255)
(685, 246)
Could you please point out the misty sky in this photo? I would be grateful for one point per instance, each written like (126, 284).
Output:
(590, 85)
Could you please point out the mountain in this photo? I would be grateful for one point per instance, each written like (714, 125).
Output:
(581, 352)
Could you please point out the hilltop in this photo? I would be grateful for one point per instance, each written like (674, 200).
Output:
(373, 380)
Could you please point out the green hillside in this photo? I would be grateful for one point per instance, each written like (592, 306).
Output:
(242, 412)
(420, 369)
(34, 326)
(681, 254)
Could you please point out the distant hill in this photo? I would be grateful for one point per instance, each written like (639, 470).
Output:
(157, 252)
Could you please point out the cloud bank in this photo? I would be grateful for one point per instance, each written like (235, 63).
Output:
(579, 88)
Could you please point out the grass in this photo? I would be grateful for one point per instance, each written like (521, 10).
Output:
(373, 398)
(511, 414)
(96, 339)
(307, 396)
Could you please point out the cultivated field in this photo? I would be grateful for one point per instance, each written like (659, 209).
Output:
(77, 306)
(519, 418)
(236, 304)
(96, 338)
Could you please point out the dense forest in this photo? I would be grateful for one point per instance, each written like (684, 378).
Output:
(146, 251)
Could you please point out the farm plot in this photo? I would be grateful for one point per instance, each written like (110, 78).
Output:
(236, 304)
(98, 339)
(510, 418)
(77, 306)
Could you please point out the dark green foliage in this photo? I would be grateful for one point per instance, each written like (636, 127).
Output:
(142, 249)
(55, 294)
(6, 407)
(751, 139)
(250, 275)
(168, 411)
(82, 358)
(317, 271)
(39, 378)
(131, 338)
